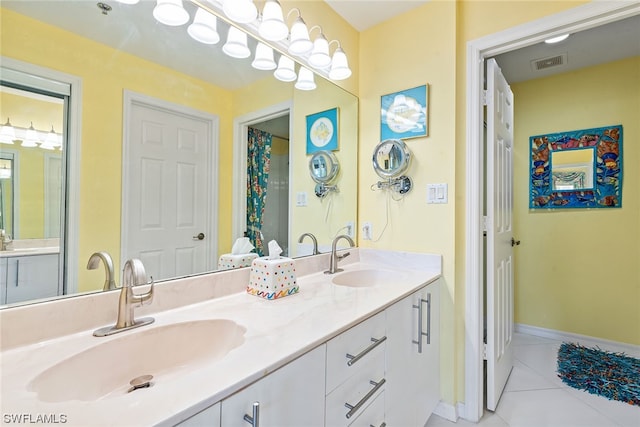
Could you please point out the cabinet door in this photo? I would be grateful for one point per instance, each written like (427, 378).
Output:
(291, 396)
(413, 370)
(3, 280)
(209, 417)
(32, 277)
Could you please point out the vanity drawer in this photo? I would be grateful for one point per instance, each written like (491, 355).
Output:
(372, 415)
(359, 391)
(363, 342)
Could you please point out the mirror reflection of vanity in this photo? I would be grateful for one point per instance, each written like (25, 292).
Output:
(75, 38)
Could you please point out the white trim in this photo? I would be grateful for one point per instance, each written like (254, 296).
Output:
(48, 156)
(240, 134)
(575, 19)
(448, 411)
(213, 124)
(69, 243)
(586, 340)
(15, 191)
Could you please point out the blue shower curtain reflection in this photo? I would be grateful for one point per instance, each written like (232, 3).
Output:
(258, 166)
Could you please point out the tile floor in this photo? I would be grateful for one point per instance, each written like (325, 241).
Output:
(536, 397)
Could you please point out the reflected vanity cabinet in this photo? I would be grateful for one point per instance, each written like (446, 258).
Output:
(379, 372)
(28, 277)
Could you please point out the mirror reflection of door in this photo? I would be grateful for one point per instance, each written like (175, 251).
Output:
(32, 152)
(268, 219)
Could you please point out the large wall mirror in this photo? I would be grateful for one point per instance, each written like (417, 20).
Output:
(129, 64)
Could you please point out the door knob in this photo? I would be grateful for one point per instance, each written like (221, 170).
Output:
(200, 236)
(515, 242)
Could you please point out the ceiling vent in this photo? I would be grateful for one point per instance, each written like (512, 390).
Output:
(549, 62)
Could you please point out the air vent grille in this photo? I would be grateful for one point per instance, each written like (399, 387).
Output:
(549, 62)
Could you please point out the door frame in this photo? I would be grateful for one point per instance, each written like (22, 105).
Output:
(240, 146)
(212, 187)
(570, 21)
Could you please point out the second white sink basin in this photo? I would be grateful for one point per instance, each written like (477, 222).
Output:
(366, 277)
(162, 351)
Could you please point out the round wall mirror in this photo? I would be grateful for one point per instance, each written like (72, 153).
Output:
(391, 158)
(324, 167)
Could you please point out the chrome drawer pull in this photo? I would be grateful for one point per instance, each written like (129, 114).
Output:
(354, 408)
(255, 419)
(422, 333)
(354, 359)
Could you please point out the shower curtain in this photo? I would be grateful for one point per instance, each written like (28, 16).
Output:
(258, 166)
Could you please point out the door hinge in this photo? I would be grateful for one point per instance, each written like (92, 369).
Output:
(485, 221)
(485, 96)
(484, 351)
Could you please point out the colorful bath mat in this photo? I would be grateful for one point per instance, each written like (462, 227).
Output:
(615, 376)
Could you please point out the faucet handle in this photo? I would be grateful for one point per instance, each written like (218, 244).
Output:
(340, 257)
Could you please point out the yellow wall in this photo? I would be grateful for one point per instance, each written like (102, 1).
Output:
(101, 148)
(577, 270)
(428, 45)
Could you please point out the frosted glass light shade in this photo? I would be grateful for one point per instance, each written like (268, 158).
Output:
(305, 79)
(299, 41)
(240, 11)
(339, 66)
(286, 71)
(272, 27)
(204, 27)
(51, 141)
(263, 59)
(31, 137)
(7, 133)
(319, 57)
(236, 45)
(170, 12)
(125, 2)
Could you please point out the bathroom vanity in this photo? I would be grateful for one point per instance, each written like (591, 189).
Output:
(29, 274)
(359, 347)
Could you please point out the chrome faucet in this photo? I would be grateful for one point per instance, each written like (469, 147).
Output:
(94, 261)
(133, 275)
(313, 238)
(333, 262)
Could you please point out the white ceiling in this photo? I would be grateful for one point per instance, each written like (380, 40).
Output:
(364, 14)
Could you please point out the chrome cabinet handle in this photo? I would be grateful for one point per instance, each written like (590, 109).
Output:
(354, 359)
(17, 272)
(422, 333)
(354, 408)
(253, 419)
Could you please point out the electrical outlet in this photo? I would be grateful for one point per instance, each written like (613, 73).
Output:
(367, 231)
(351, 228)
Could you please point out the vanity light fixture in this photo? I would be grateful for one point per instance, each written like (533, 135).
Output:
(236, 45)
(557, 39)
(204, 27)
(319, 57)
(170, 12)
(263, 59)
(8, 133)
(339, 65)
(305, 79)
(128, 1)
(52, 141)
(286, 71)
(240, 11)
(31, 137)
(5, 170)
(272, 26)
(299, 41)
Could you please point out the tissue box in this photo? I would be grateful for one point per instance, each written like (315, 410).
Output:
(272, 278)
(230, 261)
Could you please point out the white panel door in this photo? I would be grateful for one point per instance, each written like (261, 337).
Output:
(168, 191)
(499, 233)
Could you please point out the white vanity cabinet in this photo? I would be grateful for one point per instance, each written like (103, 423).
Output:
(292, 396)
(28, 277)
(356, 372)
(413, 361)
(210, 417)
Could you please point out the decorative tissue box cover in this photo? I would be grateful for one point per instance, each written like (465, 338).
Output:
(229, 261)
(272, 278)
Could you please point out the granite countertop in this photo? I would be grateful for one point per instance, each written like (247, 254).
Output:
(278, 331)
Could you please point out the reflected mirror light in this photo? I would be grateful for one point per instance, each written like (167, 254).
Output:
(572, 169)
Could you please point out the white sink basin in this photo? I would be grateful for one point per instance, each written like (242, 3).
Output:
(106, 369)
(366, 278)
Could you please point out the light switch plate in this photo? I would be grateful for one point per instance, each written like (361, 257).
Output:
(437, 193)
(301, 198)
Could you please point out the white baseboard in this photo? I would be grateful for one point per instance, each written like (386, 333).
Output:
(630, 349)
(449, 411)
